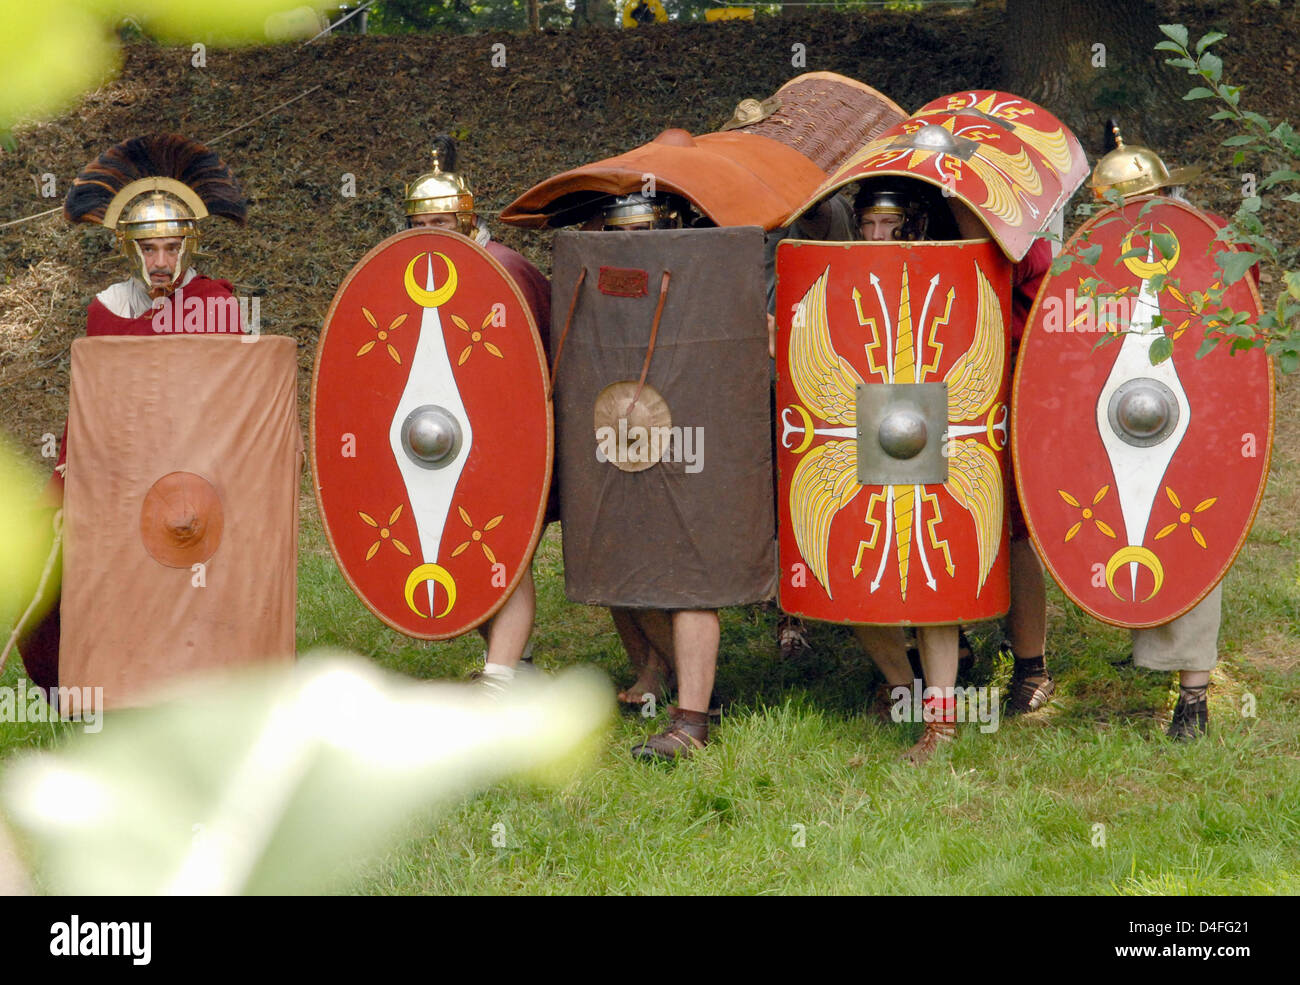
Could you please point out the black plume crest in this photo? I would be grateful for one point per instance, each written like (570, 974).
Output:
(158, 155)
(445, 152)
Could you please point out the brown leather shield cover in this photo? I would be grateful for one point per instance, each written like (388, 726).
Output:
(180, 509)
(863, 314)
(1138, 528)
(677, 535)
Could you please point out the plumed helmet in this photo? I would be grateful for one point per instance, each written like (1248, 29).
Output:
(153, 187)
(442, 190)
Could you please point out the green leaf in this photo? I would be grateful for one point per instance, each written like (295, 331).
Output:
(1289, 362)
(1137, 253)
(1223, 114)
(7, 142)
(1165, 244)
(1209, 39)
(1212, 64)
(1062, 263)
(1199, 92)
(1176, 31)
(1255, 118)
(1161, 349)
(1238, 157)
(1293, 197)
(1292, 281)
(1169, 46)
(1181, 63)
(1090, 255)
(1234, 265)
(1238, 140)
(1251, 205)
(1277, 177)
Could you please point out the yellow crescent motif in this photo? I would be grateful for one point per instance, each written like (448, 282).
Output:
(1144, 269)
(808, 432)
(1143, 557)
(439, 574)
(430, 299)
(991, 430)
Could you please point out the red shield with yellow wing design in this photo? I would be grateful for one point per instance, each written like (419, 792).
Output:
(431, 433)
(1139, 482)
(1011, 161)
(892, 429)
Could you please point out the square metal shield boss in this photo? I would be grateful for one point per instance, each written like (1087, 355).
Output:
(900, 433)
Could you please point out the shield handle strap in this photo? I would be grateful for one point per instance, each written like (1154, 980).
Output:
(568, 324)
(654, 333)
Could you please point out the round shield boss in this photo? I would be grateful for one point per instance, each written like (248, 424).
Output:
(632, 436)
(181, 520)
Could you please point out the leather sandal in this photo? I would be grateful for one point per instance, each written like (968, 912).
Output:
(687, 732)
(937, 735)
(1029, 691)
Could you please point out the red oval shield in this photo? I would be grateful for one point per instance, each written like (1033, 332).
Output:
(431, 433)
(1139, 482)
(863, 315)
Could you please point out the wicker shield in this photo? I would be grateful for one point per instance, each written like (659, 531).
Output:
(662, 417)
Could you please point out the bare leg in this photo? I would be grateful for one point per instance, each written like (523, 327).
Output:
(887, 648)
(1193, 678)
(938, 645)
(1027, 620)
(696, 633)
(649, 662)
(507, 632)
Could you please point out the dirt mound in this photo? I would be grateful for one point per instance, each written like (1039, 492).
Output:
(365, 107)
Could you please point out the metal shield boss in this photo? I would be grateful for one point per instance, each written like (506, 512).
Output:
(662, 409)
(431, 433)
(892, 383)
(1139, 482)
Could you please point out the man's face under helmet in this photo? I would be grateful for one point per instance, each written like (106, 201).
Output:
(440, 199)
(158, 233)
(889, 212)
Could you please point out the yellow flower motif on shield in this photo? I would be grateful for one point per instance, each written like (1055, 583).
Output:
(475, 337)
(384, 532)
(1185, 517)
(476, 535)
(381, 335)
(1087, 512)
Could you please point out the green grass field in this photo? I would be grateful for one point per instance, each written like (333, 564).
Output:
(800, 793)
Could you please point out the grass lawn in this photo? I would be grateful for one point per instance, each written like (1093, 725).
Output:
(800, 793)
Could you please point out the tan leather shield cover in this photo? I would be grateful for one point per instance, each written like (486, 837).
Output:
(183, 451)
(694, 530)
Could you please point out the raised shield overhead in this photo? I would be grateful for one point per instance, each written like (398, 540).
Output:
(180, 526)
(1011, 161)
(1139, 482)
(892, 383)
(431, 433)
(662, 409)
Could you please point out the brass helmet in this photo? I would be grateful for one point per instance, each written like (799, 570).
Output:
(660, 211)
(155, 187)
(442, 191)
(1135, 170)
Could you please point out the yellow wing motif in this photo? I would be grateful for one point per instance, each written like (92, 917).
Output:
(1054, 146)
(976, 376)
(975, 481)
(825, 482)
(823, 379)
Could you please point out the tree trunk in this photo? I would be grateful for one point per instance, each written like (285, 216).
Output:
(593, 13)
(534, 19)
(1089, 60)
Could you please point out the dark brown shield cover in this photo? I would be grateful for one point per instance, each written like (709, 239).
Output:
(1138, 523)
(695, 530)
(429, 324)
(892, 313)
(180, 509)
